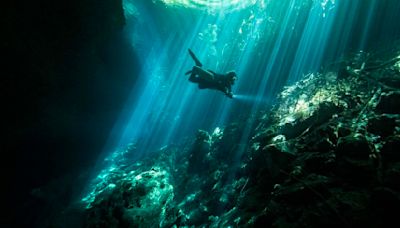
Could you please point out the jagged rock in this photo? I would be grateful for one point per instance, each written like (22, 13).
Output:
(318, 162)
(320, 145)
(275, 159)
(231, 133)
(322, 139)
(389, 103)
(324, 112)
(136, 201)
(343, 131)
(353, 160)
(353, 146)
(303, 191)
(226, 146)
(382, 125)
(264, 137)
(198, 154)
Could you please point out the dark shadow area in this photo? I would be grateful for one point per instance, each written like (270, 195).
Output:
(67, 73)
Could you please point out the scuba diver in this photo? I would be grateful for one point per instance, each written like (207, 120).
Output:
(208, 79)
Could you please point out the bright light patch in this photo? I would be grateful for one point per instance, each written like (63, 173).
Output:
(213, 4)
(301, 106)
(217, 131)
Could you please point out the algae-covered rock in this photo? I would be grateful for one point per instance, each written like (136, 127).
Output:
(142, 200)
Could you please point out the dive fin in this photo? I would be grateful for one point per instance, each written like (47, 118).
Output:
(196, 60)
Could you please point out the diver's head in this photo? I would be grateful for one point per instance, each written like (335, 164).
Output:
(231, 76)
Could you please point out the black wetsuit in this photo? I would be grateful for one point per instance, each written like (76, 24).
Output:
(207, 79)
(219, 82)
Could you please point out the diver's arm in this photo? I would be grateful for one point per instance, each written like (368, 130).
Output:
(228, 92)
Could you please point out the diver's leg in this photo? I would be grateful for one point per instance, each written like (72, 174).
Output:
(196, 60)
(196, 70)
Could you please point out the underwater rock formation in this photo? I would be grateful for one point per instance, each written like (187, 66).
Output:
(326, 155)
(135, 200)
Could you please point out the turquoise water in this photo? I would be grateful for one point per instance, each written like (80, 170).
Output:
(269, 44)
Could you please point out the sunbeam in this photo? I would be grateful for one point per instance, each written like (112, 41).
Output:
(251, 99)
